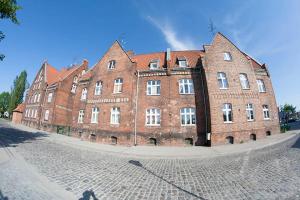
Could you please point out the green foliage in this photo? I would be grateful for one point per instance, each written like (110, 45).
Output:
(4, 102)
(284, 128)
(8, 10)
(289, 111)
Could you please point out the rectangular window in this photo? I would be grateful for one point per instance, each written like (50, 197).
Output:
(244, 81)
(250, 112)
(84, 94)
(186, 86)
(227, 112)
(26, 113)
(98, 88)
(118, 85)
(182, 63)
(227, 56)
(222, 80)
(80, 116)
(154, 64)
(115, 115)
(153, 117)
(95, 114)
(266, 112)
(46, 117)
(50, 97)
(187, 116)
(153, 87)
(111, 64)
(261, 85)
(35, 113)
(74, 86)
(38, 97)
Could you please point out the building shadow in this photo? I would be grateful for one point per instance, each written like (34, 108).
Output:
(2, 197)
(88, 195)
(297, 143)
(138, 164)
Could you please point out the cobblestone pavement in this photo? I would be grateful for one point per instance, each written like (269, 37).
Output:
(269, 173)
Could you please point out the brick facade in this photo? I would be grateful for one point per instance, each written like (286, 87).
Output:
(164, 98)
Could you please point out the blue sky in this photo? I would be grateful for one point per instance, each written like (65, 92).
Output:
(65, 32)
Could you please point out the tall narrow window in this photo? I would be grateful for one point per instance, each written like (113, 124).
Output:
(46, 117)
(115, 115)
(75, 79)
(244, 81)
(84, 94)
(227, 56)
(74, 86)
(111, 64)
(187, 116)
(153, 117)
(38, 97)
(261, 85)
(50, 97)
(95, 114)
(186, 86)
(35, 98)
(98, 88)
(154, 64)
(266, 112)
(80, 116)
(35, 113)
(118, 85)
(250, 112)
(222, 80)
(182, 62)
(153, 87)
(26, 112)
(227, 112)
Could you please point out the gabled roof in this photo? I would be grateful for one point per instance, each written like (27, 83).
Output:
(51, 74)
(20, 108)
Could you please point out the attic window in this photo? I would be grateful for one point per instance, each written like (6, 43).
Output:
(111, 64)
(182, 62)
(154, 64)
(227, 56)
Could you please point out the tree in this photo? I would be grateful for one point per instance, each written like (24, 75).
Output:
(4, 102)
(17, 92)
(288, 111)
(8, 10)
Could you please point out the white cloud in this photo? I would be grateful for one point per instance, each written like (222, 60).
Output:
(171, 36)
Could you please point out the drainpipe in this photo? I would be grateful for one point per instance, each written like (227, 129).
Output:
(136, 106)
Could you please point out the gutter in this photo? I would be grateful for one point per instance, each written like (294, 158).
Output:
(136, 107)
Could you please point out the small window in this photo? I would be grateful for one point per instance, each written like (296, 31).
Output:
(250, 112)
(152, 141)
(261, 85)
(50, 97)
(84, 94)
(95, 114)
(268, 133)
(230, 140)
(115, 115)
(46, 117)
(80, 116)
(74, 86)
(182, 62)
(75, 79)
(98, 88)
(118, 85)
(266, 112)
(189, 141)
(227, 112)
(187, 116)
(153, 87)
(111, 64)
(244, 81)
(154, 64)
(227, 56)
(222, 80)
(186, 86)
(153, 117)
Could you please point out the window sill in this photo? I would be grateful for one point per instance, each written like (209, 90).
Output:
(188, 125)
(186, 93)
(251, 120)
(267, 119)
(245, 88)
(262, 92)
(228, 122)
(117, 93)
(152, 125)
(153, 94)
(223, 88)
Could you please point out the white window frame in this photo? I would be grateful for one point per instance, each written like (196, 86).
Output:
(75, 79)
(250, 112)
(261, 85)
(80, 116)
(244, 81)
(181, 61)
(95, 115)
(186, 86)
(35, 98)
(227, 113)
(50, 95)
(115, 115)
(35, 113)
(26, 112)
(266, 112)
(188, 116)
(98, 88)
(153, 117)
(118, 85)
(38, 97)
(111, 64)
(83, 94)
(74, 87)
(222, 80)
(227, 56)
(153, 88)
(154, 65)
(46, 115)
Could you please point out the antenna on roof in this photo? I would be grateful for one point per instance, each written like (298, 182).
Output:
(211, 27)
(122, 40)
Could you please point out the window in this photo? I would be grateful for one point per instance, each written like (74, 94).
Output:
(115, 115)
(95, 113)
(35, 113)
(244, 81)
(73, 90)
(83, 72)
(111, 64)
(80, 116)
(50, 97)
(39, 85)
(227, 112)
(38, 97)
(98, 88)
(153, 117)
(153, 87)
(227, 56)
(75, 79)
(154, 64)
(182, 62)
(35, 98)
(186, 86)
(46, 117)
(187, 116)
(261, 85)
(250, 112)
(266, 112)
(222, 80)
(118, 85)
(26, 112)
(84, 94)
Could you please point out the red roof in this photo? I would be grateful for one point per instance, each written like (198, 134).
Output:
(52, 74)
(20, 108)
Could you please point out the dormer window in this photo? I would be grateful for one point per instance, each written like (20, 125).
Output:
(154, 64)
(227, 56)
(182, 62)
(111, 64)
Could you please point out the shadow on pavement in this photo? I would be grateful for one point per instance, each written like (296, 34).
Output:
(11, 137)
(2, 197)
(138, 164)
(297, 143)
(86, 195)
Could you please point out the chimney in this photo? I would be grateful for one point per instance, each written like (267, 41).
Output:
(85, 62)
(168, 54)
(168, 59)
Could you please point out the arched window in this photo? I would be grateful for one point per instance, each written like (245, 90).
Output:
(222, 80)
(152, 141)
(244, 81)
(114, 140)
(189, 141)
(268, 133)
(230, 140)
(253, 137)
(84, 94)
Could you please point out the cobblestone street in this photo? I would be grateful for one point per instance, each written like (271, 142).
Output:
(269, 173)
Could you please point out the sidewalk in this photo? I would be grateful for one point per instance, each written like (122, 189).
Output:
(162, 151)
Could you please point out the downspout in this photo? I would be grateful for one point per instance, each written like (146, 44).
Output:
(136, 107)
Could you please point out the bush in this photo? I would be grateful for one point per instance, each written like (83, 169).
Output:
(284, 128)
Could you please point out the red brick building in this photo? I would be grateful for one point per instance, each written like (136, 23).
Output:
(212, 96)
